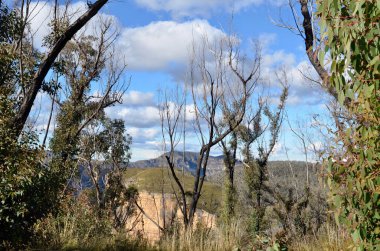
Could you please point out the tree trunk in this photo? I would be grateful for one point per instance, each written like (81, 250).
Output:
(26, 106)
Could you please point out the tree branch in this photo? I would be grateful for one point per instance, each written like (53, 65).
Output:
(26, 106)
(312, 55)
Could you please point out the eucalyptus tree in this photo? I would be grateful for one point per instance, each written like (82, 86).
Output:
(22, 174)
(27, 191)
(104, 155)
(87, 63)
(351, 38)
(31, 88)
(342, 43)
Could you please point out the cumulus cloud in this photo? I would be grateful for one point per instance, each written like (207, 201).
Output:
(42, 13)
(163, 45)
(141, 135)
(142, 117)
(204, 8)
(142, 154)
(138, 110)
(137, 98)
(278, 58)
(301, 89)
(142, 121)
(159, 45)
(316, 146)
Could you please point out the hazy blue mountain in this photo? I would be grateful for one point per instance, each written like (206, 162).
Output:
(188, 161)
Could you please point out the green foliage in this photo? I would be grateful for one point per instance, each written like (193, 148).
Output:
(31, 184)
(352, 40)
(10, 24)
(229, 202)
(256, 168)
(105, 148)
(107, 139)
(78, 227)
(25, 183)
(17, 169)
(80, 64)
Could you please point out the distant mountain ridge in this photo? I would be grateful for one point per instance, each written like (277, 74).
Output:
(288, 171)
(187, 161)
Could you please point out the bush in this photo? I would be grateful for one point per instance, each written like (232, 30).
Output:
(79, 227)
(26, 185)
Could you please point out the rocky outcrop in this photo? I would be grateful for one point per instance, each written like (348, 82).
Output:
(158, 212)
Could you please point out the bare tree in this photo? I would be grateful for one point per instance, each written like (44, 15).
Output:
(170, 115)
(215, 70)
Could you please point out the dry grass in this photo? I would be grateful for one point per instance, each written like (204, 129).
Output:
(329, 238)
(203, 239)
(70, 233)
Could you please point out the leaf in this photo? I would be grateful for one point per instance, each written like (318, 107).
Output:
(356, 236)
(375, 60)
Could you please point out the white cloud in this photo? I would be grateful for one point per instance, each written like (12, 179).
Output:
(136, 98)
(301, 89)
(204, 8)
(163, 45)
(42, 14)
(190, 113)
(159, 45)
(142, 154)
(142, 117)
(315, 146)
(267, 39)
(277, 149)
(141, 135)
(40, 17)
(278, 58)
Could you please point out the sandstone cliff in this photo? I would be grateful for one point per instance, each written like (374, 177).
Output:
(161, 211)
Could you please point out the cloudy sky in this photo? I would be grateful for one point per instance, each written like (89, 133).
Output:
(155, 38)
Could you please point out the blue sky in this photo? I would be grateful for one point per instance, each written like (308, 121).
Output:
(155, 37)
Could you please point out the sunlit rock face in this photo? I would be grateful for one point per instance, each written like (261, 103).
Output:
(161, 210)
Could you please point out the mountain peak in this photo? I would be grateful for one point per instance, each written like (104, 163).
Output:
(186, 160)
